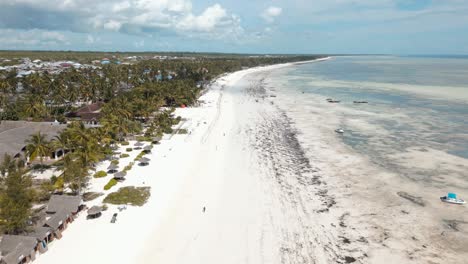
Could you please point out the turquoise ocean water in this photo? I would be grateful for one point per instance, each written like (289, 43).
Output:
(417, 110)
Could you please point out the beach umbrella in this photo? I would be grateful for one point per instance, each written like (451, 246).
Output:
(148, 148)
(120, 175)
(144, 161)
(156, 139)
(112, 168)
(94, 210)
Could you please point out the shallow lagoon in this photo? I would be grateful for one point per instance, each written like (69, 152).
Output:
(417, 110)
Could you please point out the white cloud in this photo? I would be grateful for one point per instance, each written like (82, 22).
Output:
(112, 25)
(271, 13)
(10, 38)
(127, 16)
(207, 21)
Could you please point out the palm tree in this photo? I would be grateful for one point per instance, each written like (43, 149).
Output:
(34, 107)
(38, 146)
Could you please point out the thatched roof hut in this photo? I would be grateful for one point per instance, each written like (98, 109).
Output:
(57, 220)
(66, 203)
(15, 133)
(40, 233)
(17, 249)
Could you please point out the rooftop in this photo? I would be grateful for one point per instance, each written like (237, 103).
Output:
(13, 134)
(66, 203)
(14, 248)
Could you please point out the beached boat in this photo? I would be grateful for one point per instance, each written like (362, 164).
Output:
(339, 131)
(452, 198)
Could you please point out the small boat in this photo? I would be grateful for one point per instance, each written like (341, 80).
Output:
(360, 102)
(452, 198)
(339, 131)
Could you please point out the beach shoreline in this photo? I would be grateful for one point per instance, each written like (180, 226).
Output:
(172, 163)
(260, 178)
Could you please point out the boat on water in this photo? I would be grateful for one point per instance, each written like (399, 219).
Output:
(360, 102)
(339, 131)
(452, 198)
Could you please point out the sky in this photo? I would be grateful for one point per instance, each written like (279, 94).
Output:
(238, 26)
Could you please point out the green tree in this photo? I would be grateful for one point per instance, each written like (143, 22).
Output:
(38, 146)
(15, 201)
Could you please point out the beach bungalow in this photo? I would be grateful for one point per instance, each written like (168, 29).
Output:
(58, 222)
(69, 203)
(61, 210)
(43, 235)
(17, 249)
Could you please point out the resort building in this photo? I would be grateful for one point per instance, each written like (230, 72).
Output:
(13, 135)
(43, 235)
(17, 249)
(61, 210)
(89, 114)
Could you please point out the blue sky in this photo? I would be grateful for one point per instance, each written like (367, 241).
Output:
(241, 26)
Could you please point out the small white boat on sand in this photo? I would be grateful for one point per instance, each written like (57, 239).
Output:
(452, 198)
(339, 131)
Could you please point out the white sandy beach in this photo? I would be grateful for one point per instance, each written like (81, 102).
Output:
(186, 173)
(268, 199)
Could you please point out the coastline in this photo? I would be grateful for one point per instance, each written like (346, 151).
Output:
(98, 238)
(256, 180)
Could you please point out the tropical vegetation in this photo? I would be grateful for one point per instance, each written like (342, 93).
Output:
(137, 196)
(137, 100)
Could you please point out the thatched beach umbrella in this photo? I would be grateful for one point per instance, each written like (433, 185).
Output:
(112, 168)
(120, 175)
(148, 148)
(138, 145)
(144, 161)
(94, 211)
(156, 140)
